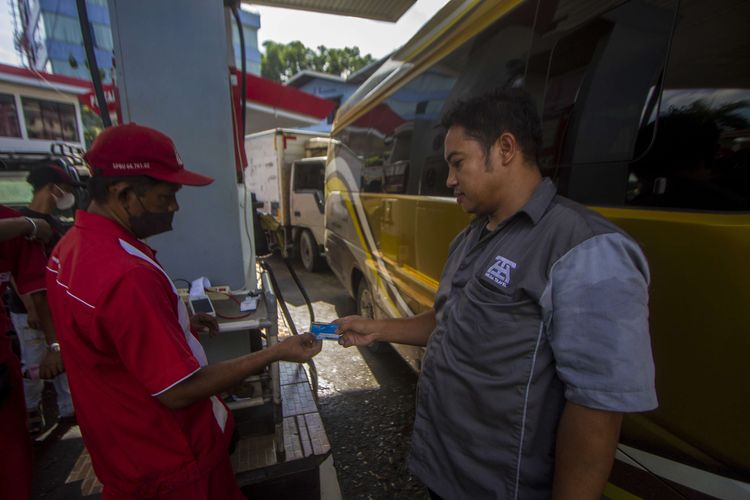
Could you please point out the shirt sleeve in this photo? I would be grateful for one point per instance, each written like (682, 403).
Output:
(140, 317)
(599, 325)
(29, 267)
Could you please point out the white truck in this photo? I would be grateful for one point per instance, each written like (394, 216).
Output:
(286, 172)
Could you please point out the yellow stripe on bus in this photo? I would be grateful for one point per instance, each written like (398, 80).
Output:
(371, 262)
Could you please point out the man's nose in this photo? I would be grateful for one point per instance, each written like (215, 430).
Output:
(451, 180)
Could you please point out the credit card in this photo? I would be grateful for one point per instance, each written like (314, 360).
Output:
(324, 331)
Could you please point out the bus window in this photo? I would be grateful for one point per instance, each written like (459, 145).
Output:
(383, 73)
(399, 140)
(598, 77)
(700, 157)
(494, 59)
(384, 137)
(396, 169)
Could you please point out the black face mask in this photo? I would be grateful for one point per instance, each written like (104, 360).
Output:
(150, 223)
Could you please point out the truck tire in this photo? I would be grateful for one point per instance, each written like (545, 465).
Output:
(309, 253)
(366, 309)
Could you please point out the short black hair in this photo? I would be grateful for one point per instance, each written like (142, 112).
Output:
(98, 185)
(49, 173)
(486, 117)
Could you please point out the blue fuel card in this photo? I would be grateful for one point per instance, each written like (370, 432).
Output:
(324, 331)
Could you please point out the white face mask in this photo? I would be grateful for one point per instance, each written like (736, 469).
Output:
(66, 201)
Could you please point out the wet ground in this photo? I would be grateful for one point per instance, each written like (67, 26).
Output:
(366, 401)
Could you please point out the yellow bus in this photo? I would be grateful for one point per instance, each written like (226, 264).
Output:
(645, 108)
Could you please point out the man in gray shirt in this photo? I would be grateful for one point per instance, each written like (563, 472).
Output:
(538, 339)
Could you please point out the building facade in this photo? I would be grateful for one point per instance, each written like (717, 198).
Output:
(50, 37)
(38, 110)
(250, 26)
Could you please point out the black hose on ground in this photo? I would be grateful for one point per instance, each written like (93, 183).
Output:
(287, 315)
(302, 290)
(279, 296)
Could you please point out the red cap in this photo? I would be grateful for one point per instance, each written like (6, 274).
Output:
(131, 149)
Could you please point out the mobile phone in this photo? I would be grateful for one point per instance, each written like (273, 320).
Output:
(324, 331)
(203, 305)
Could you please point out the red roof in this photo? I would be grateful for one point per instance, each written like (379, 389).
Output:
(259, 90)
(276, 95)
(41, 76)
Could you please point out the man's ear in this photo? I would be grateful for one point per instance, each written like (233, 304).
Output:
(506, 147)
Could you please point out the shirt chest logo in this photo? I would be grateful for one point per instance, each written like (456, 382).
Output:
(499, 272)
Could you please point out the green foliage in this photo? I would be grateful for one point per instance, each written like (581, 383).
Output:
(282, 61)
(92, 125)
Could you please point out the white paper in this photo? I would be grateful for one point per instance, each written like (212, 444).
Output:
(249, 304)
(198, 287)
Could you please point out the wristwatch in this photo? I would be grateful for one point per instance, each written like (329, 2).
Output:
(53, 347)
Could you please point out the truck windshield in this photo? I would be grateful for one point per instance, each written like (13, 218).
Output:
(309, 176)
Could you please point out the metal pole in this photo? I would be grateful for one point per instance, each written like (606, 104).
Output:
(272, 338)
(96, 78)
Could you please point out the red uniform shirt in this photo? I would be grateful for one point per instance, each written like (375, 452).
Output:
(24, 260)
(122, 329)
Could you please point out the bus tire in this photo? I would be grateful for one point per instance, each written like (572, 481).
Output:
(309, 253)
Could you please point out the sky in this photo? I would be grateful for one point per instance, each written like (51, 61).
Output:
(7, 52)
(312, 29)
(377, 38)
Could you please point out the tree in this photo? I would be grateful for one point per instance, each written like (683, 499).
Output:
(92, 125)
(282, 61)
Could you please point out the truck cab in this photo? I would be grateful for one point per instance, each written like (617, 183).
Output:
(307, 208)
(286, 172)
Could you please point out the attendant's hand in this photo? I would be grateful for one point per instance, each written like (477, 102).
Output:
(203, 322)
(356, 331)
(298, 348)
(51, 366)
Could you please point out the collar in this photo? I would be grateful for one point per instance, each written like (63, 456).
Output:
(535, 207)
(540, 200)
(92, 222)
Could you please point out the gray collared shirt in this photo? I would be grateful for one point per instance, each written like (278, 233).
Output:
(552, 306)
